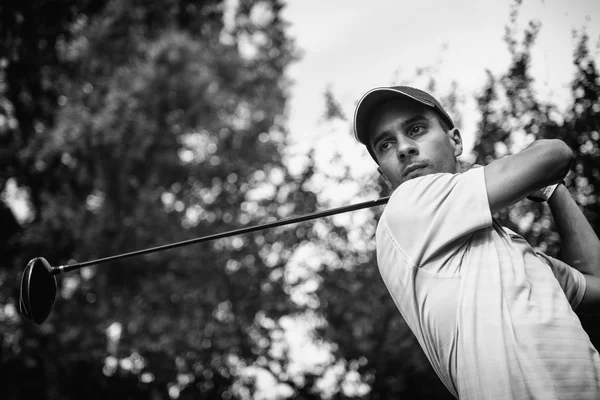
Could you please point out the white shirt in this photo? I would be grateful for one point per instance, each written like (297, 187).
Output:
(494, 318)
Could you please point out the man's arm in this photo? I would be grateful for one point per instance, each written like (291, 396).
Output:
(513, 178)
(580, 246)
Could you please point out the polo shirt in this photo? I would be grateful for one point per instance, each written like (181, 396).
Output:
(494, 317)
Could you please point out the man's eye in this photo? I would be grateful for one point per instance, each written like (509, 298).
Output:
(385, 146)
(417, 129)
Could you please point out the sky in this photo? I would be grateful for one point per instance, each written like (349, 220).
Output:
(352, 46)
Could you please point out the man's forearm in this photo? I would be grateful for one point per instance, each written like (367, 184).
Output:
(580, 246)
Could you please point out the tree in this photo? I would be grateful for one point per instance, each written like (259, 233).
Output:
(149, 138)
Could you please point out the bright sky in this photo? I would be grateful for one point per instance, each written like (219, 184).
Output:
(354, 46)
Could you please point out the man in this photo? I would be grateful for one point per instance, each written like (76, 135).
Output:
(495, 319)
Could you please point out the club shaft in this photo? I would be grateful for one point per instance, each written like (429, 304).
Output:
(240, 231)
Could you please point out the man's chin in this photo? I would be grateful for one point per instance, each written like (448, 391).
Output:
(417, 173)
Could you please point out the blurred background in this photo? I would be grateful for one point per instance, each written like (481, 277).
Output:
(127, 124)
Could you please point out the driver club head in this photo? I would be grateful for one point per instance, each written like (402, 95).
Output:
(38, 290)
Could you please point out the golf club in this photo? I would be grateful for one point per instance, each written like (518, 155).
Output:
(38, 284)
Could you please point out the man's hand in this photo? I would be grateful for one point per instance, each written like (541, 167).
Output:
(543, 194)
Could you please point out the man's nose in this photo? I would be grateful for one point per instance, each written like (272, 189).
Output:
(407, 148)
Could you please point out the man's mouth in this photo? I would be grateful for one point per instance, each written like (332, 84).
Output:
(413, 167)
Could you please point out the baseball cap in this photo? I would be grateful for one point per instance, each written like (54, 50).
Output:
(380, 95)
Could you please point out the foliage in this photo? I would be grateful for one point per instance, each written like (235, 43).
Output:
(144, 132)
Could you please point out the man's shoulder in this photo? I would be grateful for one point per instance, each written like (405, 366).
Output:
(438, 204)
(429, 188)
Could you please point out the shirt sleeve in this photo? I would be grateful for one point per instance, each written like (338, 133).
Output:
(570, 280)
(428, 214)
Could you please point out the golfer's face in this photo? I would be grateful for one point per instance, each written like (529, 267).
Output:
(409, 141)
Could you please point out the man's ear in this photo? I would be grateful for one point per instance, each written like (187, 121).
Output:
(385, 179)
(456, 140)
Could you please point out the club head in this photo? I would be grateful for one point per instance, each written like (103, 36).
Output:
(38, 290)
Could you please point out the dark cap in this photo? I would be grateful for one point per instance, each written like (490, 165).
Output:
(378, 96)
